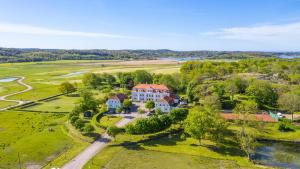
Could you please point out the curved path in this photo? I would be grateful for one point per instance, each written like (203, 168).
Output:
(3, 98)
(81, 159)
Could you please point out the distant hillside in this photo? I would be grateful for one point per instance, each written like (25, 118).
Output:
(35, 55)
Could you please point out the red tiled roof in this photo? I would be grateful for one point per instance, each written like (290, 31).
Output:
(153, 86)
(256, 117)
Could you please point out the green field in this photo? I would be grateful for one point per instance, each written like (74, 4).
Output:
(4, 104)
(36, 136)
(58, 104)
(10, 87)
(45, 77)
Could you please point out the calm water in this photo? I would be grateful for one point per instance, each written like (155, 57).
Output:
(289, 56)
(74, 74)
(8, 79)
(283, 155)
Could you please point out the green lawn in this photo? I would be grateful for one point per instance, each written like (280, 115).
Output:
(38, 137)
(173, 153)
(270, 131)
(4, 104)
(109, 120)
(129, 159)
(59, 104)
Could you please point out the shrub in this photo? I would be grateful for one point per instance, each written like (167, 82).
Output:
(88, 128)
(179, 114)
(79, 124)
(286, 125)
(149, 125)
(73, 119)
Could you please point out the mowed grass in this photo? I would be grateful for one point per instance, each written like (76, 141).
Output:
(37, 137)
(59, 104)
(172, 152)
(134, 159)
(109, 120)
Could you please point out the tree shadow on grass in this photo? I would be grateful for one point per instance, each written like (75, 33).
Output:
(92, 135)
(226, 150)
(169, 140)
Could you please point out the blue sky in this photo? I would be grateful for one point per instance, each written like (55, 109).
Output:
(264, 25)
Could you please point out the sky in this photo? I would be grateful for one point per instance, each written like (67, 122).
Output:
(231, 25)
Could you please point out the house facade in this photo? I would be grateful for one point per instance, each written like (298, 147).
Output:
(145, 92)
(160, 94)
(115, 101)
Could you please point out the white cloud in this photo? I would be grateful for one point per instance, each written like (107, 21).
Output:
(262, 33)
(34, 30)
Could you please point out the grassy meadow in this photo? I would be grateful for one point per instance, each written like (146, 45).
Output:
(45, 77)
(39, 133)
(35, 136)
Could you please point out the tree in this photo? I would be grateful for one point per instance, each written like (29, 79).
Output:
(240, 84)
(113, 131)
(197, 124)
(201, 123)
(67, 87)
(88, 102)
(178, 114)
(127, 104)
(169, 81)
(150, 105)
(158, 112)
(263, 93)
(88, 128)
(108, 78)
(290, 103)
(119, 109)
(125, 79)
(245, 138)
(141, 111)
(190, 91)
(91, 80)
(231, 88)
(212, 103)
(142, 76)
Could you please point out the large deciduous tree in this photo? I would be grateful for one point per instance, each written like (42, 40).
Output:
(263, 93)
(67, 87)
(201, 123)
(142, 76)
(290, 103)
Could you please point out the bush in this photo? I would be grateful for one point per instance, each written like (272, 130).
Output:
(286, 126)
(88, 128)
(113, 131)
(179, 114)
(79, 124)
(149, 125)
(73, 119)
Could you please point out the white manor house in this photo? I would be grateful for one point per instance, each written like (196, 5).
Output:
(160, 94)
